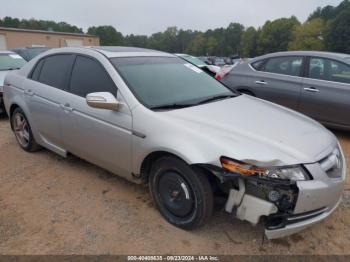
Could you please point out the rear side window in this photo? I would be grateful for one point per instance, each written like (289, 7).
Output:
(54, 70)
(284, 65)
(89, 76)
(329, 70)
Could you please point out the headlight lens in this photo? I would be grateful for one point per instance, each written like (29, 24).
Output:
(295, 173)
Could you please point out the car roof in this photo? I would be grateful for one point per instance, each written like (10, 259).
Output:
(331, 55)
(112, 51)
(123, 51)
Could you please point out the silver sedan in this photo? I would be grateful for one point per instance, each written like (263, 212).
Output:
(156, 119)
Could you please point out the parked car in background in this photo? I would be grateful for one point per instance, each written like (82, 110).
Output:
(153, 118)
(9, 61)
(206, 60)
(212, 70)
(218, 61)
(28, 53)
(314, 83)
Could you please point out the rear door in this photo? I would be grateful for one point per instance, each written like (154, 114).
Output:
(326, 91)
(100, 136)
(278, 80)
(45, 91)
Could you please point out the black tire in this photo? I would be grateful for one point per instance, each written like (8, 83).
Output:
(182, 195)
(31, 145)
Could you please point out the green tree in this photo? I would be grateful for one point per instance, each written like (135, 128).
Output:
(248, 44)
(39, 25)
(233, 34)
(108, 35)
(309, 36)
(276, 35)
(338, 33)
(197, 45)
(210, 46)
(136, 40)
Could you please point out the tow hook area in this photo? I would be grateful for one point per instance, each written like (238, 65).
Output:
(249, 208)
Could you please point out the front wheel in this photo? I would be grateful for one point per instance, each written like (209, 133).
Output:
(183, 196)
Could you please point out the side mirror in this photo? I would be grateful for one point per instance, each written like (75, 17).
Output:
(102, 100)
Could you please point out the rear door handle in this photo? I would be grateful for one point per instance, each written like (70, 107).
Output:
(261, 82)
(311, 89)
(66, 107)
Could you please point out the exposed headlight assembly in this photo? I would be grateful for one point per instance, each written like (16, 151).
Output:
(294, 173)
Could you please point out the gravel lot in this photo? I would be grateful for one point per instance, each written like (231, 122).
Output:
(51, 205)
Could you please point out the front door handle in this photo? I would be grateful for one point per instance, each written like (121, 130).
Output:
(66, 107)
(261, 82)
(311, 89)
(28, 92)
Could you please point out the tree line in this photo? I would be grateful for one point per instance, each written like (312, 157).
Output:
(327, 28)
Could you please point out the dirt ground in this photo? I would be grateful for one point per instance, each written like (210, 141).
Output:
(51, 205)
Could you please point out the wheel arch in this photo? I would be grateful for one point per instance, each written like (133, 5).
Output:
(154, 156)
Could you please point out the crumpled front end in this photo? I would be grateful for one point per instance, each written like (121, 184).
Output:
(286, 206)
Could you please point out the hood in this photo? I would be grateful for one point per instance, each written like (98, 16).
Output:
(256, 131)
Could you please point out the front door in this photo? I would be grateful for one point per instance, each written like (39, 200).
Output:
(100, 136)
(279, 81)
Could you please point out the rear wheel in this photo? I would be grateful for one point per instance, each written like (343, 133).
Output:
(23, 132)
(182, 195)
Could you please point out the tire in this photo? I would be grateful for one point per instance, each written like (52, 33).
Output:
(182, 195)
(23, 131)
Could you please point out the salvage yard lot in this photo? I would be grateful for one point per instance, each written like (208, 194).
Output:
(52, 205)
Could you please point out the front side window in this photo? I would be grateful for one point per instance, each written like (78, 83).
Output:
(11, 62)
(284, 65)
(329, 70)
(54, 70)
(89, 76)
(157, 81)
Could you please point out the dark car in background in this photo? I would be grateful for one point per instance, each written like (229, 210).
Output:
(314, 83)
(28, 53)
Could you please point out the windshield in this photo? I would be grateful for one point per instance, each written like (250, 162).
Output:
(159, 81)
(193, 60)
(11, 62)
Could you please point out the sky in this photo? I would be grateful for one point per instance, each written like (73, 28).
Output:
(151, 16)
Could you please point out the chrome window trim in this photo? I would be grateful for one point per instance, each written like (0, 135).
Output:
(299, 77)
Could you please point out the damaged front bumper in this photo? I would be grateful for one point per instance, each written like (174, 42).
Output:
(287, 207)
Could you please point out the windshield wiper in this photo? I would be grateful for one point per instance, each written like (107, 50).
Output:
(216, 98)
(171, 106)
